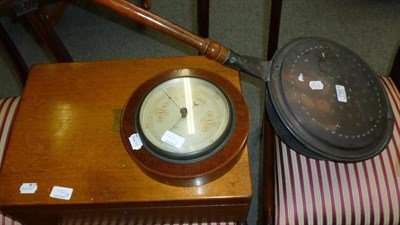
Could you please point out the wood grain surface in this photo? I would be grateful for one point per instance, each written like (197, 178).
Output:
(63, 136)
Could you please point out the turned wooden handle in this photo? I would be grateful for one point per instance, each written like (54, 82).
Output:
(211, 49)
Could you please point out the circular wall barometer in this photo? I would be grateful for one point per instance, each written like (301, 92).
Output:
(192, 125)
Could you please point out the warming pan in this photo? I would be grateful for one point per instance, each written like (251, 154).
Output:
(322, 99)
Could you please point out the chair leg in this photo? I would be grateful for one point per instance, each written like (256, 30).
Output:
(268, 175)
(55, 14)
(268, 158)
(395, 72)
(16, 57)
(203, 11)
(274, 24)
(30, 9)
(46, 32)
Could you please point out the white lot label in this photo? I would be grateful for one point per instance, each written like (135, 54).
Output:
(173, 139)
(63, 193)
(301, 77)
(341, 93)
(135, 141)
(316, 85)
(28, 188)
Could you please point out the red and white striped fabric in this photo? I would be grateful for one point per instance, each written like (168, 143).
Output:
(135, 223)
(8, 107)
(311, 191)
(7, 221)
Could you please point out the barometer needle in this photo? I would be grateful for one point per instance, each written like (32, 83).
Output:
(176, 123)
(169, 97)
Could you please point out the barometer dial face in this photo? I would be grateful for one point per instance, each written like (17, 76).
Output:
(184, 119)
(192, 126)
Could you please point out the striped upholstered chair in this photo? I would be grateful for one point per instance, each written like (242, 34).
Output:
(8, 107)
(312, 191)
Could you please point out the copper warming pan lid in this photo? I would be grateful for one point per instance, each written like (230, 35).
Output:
(326, 102)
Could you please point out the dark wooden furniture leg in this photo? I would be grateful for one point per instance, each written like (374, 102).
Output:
(46, 32)
(268, 173)
(54, 15)
(274, 24)
(203, 11)
(19, 63)
(30, 10)
(395, 71)
(268, 164)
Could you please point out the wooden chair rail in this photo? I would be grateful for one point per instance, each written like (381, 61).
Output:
(19, 63)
